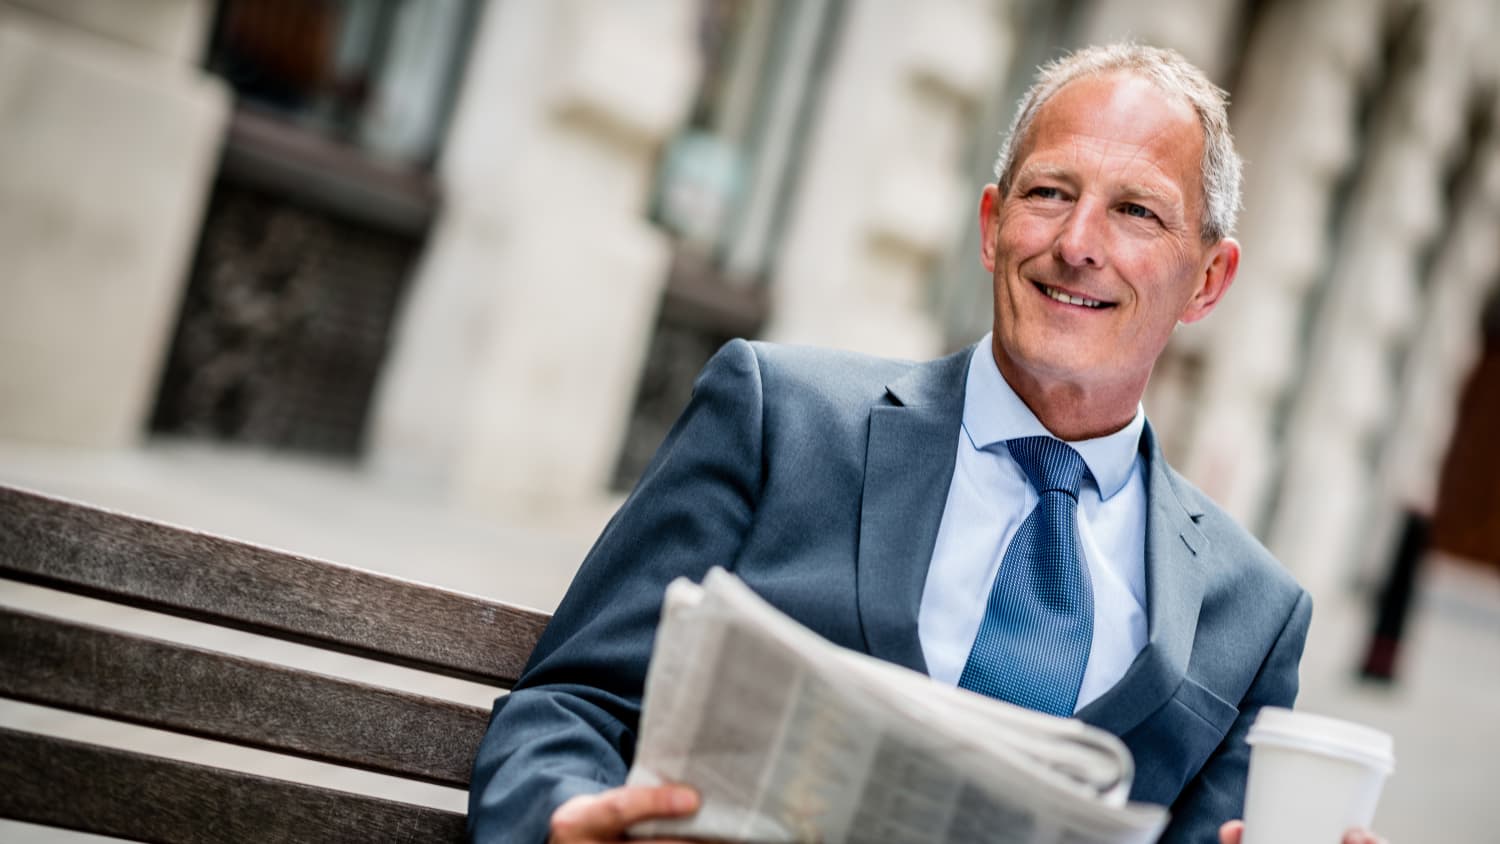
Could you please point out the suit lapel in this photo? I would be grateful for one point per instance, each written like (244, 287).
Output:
(908, 468)
(1174, 593)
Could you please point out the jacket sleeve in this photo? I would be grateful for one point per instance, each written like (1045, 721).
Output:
(568, 727)
(1217, 794)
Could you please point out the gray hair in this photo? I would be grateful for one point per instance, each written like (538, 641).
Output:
(1174, 76)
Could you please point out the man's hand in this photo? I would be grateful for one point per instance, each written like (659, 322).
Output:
(1231, 833)
(605, 816)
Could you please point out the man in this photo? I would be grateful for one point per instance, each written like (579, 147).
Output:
(896, 508)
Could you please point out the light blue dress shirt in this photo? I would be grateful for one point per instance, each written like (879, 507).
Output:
(990, 497)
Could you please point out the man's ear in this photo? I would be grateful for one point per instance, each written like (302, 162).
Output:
(989, 225)
(1223, 264)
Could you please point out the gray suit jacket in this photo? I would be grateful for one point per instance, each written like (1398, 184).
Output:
(819, 477)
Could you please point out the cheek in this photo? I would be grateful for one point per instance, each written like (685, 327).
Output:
(1023, 236)
(1162, 303)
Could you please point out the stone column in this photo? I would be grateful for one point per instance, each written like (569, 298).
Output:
(109, 143)
(1446, 340)
(517, 354)
(1294, 119)
(1372, 303)
(883, 189)
(1444, 347)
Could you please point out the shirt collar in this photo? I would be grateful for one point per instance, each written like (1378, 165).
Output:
(993, 413)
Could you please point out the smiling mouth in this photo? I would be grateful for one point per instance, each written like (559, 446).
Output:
(1067, 299)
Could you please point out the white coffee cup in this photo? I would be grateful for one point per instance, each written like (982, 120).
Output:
(1312, 777)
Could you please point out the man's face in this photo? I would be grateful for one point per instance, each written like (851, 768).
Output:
(1095, 249)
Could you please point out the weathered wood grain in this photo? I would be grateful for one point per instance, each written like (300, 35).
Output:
(187, 690)
(56, 782)
(95, 552)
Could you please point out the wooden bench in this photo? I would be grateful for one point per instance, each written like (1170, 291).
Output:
(140, 563)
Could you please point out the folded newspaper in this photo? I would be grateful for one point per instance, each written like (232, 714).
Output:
(790, 738)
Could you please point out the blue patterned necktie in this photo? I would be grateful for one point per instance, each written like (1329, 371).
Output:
(1034, 641)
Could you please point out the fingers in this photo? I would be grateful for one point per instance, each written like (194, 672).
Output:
(1232, 832)
(606, 816)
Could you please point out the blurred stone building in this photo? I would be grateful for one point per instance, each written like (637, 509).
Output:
(481, 248)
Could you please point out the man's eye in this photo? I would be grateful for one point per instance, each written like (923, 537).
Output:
(1133, 210)
(1044, 193)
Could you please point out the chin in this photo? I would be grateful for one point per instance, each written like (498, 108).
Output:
(1054, 362)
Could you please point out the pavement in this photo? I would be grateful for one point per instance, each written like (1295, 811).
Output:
(1441, 710)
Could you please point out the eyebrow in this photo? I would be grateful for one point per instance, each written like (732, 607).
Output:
(1130, 191)
(1151, 194)
(1035, 171)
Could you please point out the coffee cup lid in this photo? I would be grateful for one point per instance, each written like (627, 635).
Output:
(1321, 734)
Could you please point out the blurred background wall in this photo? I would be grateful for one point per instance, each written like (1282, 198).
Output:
(421, 285)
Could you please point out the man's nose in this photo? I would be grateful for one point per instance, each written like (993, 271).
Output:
(1080, 242)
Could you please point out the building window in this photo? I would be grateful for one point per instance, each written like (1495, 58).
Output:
(318, 213)
(723, 186)
(725, 179)
(376, 74)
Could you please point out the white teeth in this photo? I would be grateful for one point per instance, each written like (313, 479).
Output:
(1071, 300)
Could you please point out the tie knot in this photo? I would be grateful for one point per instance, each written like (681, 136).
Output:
(1049, 463)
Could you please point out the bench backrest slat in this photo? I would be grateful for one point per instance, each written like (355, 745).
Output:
(64, 545)
(175, 687)
(57, 782)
